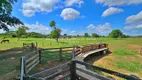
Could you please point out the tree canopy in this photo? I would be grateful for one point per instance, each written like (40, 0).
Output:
(116, 33)
(21, 31)
(6, 19)
(56, 32)
(95, 35)
(86, 35)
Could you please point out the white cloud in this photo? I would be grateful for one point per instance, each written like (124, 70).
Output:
(100, 29)
(134, 18)
(134, 22)
(69, 14)
(106, 28)
(73, 31)
(32, 28)
(91, 26)
(74, 2)
(118, 2)
(111, 11)
(38, 28)
(29, 7)
(133, 27)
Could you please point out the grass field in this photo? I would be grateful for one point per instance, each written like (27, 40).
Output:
(125, 55)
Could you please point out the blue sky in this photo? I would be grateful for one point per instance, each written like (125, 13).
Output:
(80, 16)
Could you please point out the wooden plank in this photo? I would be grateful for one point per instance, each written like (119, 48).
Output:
(31, 63)
(65, 76)
(56, 48)
(31, 53)
(87, 74)
(28, 70)
(56, 74)
(35, 56)
(108, 71)
(51, 70)
(94, 51)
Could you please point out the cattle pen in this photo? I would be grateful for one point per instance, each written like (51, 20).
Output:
(74, 69)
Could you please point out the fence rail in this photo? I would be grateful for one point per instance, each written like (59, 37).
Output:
(128, 77)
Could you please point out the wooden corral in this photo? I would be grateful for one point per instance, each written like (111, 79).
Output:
(75, 69)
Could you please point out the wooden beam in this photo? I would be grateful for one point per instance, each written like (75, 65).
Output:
(34, 57)
(107, 71)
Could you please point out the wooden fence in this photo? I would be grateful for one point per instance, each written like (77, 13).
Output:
(78, 50)
(68, 71)
(28, 62)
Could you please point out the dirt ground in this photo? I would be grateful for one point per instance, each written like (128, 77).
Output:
(10, 63)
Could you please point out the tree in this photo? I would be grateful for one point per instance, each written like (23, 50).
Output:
(56, 32)
(65, 35)
(21, 31)
(86, 35)
(53, 24)
(116, 33)
(95, 35)
(6, 19)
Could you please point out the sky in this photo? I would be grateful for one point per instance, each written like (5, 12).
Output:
(76, 17)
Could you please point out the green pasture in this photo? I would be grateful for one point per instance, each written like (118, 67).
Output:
(125, 53)
(48, 43)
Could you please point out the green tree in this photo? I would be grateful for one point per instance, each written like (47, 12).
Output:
(21, 31)
(53, 24)
(95, 35)
(56, 32)
(6, 19)
(86, 35)
(65, 35)
(116, 33)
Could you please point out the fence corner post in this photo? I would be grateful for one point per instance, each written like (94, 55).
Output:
(39, 50)
(73, 70)
(60, 54)
(73, 53)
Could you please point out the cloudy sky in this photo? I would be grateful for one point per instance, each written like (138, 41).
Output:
(80, 16)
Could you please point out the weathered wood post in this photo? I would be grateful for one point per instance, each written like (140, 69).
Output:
(73, 53)
(36, 45)
(23, 45)
(60, 54)
(39, 51)
(73, 70)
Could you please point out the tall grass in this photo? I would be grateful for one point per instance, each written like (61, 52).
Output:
(124, 52)
(132, 66)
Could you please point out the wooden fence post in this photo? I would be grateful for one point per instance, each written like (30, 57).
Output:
(23, 45)
(73, 53)
(73, 70)
(36, 45)
(39, 56)
(60, 54)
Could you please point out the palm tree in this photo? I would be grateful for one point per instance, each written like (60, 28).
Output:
(55, 33)
(53, 24)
